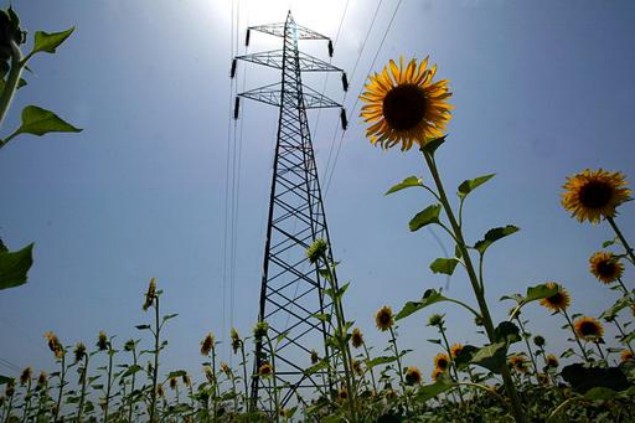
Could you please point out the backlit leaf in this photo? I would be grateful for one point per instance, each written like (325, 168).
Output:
(14, 267)
(429, 215)
(471, 184)
(494, 235)
(444, 265)
(45, 42)
(410, 181)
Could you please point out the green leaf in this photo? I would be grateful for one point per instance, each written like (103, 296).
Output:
(132, 370)
(143, 327)
(430, 297)
(429, 215)
(38, 121)
(14, 267)
(471, 184)
(494, 235)
(323, 317)
(444, 265)
(379, 361)
(432, 145)
(507, 332)
(583, 379)
(410, 181)
(428, 392)
(612, 311)
(5, 379)
(464, 358)
(320, 365)
(177, 373)
(47, 43)
(600, 393)
(169, 316)
(492, 357)
(538, 292)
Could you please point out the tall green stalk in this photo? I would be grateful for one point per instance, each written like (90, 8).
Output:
(83, 375)
(479, 289)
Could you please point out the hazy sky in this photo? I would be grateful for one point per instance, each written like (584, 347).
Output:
(542, 89)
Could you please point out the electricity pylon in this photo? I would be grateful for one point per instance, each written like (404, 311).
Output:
(292, 299)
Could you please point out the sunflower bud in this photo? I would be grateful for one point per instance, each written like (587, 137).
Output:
(207, 344)
(539, 341)
(260, 330)
(102, 341)
(236, 341)
(435, 320)
(316, 251)
(151, 294)
(79, 352)
(42, 380)
(25, 376)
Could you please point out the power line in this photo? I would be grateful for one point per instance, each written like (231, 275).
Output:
(339, 147)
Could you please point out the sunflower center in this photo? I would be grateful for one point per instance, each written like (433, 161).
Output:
(404, 106)
(606, 268)
(588, 329)
(384, 319)
(556, 299)
(595, 194)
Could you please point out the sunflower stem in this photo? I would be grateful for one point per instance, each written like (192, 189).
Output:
(372, 373)
(452, 364)
(517, 409)
(531, 353)
(629, 249)
(399, 366)
(619, 328)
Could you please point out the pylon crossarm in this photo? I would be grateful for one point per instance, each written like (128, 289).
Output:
(273, 59)
(272, 94)
(277, 29)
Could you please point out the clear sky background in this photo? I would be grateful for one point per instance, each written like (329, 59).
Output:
(542, 89)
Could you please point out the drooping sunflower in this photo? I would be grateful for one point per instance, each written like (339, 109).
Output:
(413, 376)
(404, 105)
(384, 318)
(151, 294)
(25, 376)
(173, 382)
(627, 355)
(207, 344)
(357, 339)
(442, 361)
(342, 394)
(102, 341)
(236, 341)
(79, 352)
(606, 267)
(594, 194)
(588, 328)
(559, 301)
(54, 344)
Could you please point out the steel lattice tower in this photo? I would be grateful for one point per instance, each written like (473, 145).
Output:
(292, 290)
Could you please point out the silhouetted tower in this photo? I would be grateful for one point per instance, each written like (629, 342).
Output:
(292, 290)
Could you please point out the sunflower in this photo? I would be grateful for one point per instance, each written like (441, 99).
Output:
(552, 361)
(384, 318)
(413, 376)
(588, 328)
(314, 357)
(456, 349)
(557, 302)
(236, 341)
(342, 394)
(42, 380)
(606, 267)
(357, 339)
(102, 341)
(25, 376)
(593, 194)
(356, 365)
(442, 361)
(151, 294)
(79, 352)
(404, 106)
(54, 344)
(436, 373)
(265, 370)
(207, 344)
(519, 363)
(174, 383)
(627, 355)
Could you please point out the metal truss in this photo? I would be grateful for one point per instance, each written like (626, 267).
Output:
(292, 290)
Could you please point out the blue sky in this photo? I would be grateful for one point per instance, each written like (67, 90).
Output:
(542, 89)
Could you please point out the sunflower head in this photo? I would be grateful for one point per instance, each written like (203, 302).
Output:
(79, 352)
(150, 294)
(129, 345)
(384, 318)
(224, 367)
(314, 357)
(404, 106)
(559, 301)
(436, 320)
(342, 394)
(160, 391)
(519, 363)
(606, 267)
(25, 376)
(317, 250)
(442, 361)
(357, 339)
(260, 330)
(539, 340)
(102, 341)
(436, 373)
(413, 376)
(174, 382)
(235, 340)
(456, 349)
(594, 194)
(207, 344)
(588, 328)
(356, 365)
(552, 361)
(265, 370)
(627, 355)
(54, 344)
(186, 380)
(42, 380)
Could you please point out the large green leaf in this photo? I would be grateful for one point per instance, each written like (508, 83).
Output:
(583, 379)
(494, 235)
(427, 392)
(492, 357)
(444, 265)
(471, 184)
(464, 358)
(45, 42)
(379, 361)
(39, 121)
(14, 267)
(430, 297)
(429, 215)
(507, 332)
(410, 181)
(320, 365)
(5, 379)
(432, 145)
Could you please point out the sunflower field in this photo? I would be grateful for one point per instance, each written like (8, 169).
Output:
(514, 374)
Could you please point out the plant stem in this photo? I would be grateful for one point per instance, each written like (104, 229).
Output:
(12, 82)
(398, 356)
(452, 364)
(531, 353)
(110, 353)
(372, 373)
(131, 403)
(84, 377)
(517, 409)
(244, 364)
(155, 369)
(61, 387)
(273, 382)
(629, 249)
(619, 328)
